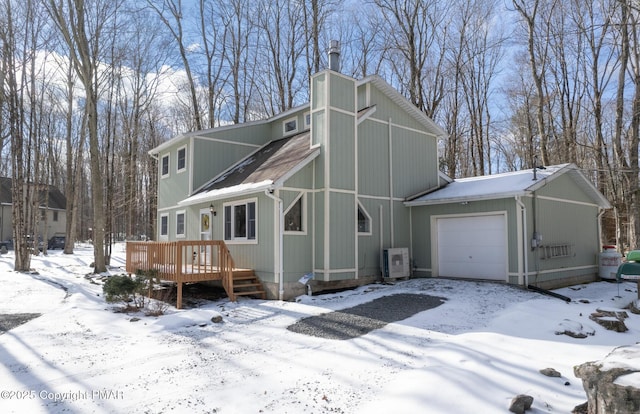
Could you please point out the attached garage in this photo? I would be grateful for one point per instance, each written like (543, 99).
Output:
(473, 247)
(531, 227)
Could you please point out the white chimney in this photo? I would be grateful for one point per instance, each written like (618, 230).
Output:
(334, 55)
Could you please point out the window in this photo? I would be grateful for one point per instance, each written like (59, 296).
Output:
(164, 225)
(55, 216)
(307, 120)
(293, 217)
(364, 221)
(180, 223)
(240, 222)
(290, 126)
(182, 159)
(43, 214)
(164, 166)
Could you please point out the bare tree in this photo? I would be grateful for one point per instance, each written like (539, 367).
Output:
(171, 13)
(416, 31)
(536, 16)
(19, 38)
(81, 25)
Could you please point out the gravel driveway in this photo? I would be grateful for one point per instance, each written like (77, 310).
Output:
(361, 319)
(11, 320)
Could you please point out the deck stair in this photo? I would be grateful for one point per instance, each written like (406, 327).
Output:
(246, 283)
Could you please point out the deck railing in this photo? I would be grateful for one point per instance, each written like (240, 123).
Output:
(183, 261)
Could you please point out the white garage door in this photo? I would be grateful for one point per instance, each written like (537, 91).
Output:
(473, 247)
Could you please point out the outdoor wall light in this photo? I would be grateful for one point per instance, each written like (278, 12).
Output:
(212, 209)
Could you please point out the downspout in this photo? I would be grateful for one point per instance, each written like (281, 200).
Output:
(601, 212)
(525, 250)
(278, 267)
(381, 224)
(535, 239)
(391, 223)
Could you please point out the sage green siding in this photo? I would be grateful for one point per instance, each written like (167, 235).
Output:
(318, 228)
(303, 179)
(387, 109)
(297, 256)
(174, 187)
(252, 133)
(211, 158)
(415, 162)
(370, 246)
(373, 159)
(342, 230)
(562, 223)
(342, 92)
(342, 151)
(564, 188)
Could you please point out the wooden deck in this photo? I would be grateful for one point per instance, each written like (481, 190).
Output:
(188, 261)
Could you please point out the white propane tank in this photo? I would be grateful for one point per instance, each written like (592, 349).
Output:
(610, 259)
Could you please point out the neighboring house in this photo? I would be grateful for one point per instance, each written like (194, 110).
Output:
(51, 216)
(327, 187)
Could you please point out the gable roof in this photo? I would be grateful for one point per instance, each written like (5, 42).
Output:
(57, 200)
(266, 168)
(511, 184)
(399, 99)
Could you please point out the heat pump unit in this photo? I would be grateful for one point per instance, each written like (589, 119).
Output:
(395, 262)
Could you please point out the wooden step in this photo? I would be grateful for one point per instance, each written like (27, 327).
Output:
(246, 283)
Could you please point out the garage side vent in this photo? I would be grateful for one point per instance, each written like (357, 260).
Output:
(395, 262)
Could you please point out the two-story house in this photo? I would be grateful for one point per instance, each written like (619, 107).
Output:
(336, 187)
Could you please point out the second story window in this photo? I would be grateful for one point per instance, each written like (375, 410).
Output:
(164, 166)
(181, 164)
(290, 126)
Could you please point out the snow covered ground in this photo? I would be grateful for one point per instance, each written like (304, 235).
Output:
(483, 346)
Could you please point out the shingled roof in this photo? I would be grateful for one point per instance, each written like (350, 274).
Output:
(57, 200)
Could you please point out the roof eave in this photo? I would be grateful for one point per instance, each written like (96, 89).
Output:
(227, 192)
(465, 199)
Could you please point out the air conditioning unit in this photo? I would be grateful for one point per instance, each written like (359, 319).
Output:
(395, 262)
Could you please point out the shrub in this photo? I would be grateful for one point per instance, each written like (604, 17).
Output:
(121, 288)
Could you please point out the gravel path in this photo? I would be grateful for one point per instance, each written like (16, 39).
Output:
(361, 319)
(11, 320)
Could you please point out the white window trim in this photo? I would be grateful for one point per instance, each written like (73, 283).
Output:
(306, 115)
(239, 240)
(368, 216)
(284, 126)
(179, 170)
(302, 232)
(168, 157)
(181, 235)
(160, 235)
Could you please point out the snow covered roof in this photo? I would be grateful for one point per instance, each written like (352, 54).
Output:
(511, 184)
(268, 167)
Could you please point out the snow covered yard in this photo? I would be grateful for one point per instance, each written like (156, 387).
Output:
(473, 353)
